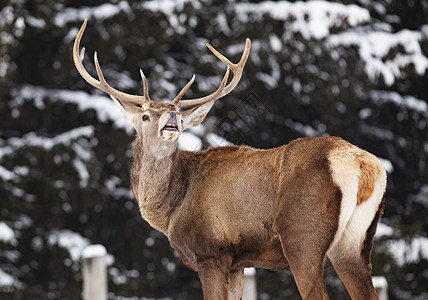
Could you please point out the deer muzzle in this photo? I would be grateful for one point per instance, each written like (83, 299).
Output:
(170, 126)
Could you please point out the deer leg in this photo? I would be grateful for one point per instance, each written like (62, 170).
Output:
(214, 277)
(236, 285)
(306, 223)
(307, 267)
(305, 249)
(350, 257)
(305, 242)
(354, 270)
(356, 276)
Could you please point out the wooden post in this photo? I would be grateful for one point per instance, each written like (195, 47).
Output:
(381, 286)
(250, 288)
(94, 273)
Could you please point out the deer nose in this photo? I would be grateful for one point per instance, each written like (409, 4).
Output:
(172, 118)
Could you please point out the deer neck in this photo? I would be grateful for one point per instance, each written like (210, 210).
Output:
(156, 185)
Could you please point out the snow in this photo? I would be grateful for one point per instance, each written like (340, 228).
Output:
(190, 142)
(106, 110)
(306, 130)
(312, 19)
(217, 141)
(383, 230)
(33, 140)
(250, 271)
(9, 283)
(382, 134)
(387, 164)
(7, 235)
(5, 174)
(21, 170)
(208, 83)
(379, 281)
(409, 102)
(22, 222)
(422, 196)
(404, 252)
(121, 277)
(101, 12)
(271, 80)
(365, 113)
(67, 138)
(275, 43)
(83, 172)
(409, 252)
(19, 27)
(7, 39)
(168, 7)
(375, 46)
(112, 183)
(118, 277)
(199, 130)
(104, 107)
(222, 23)
(94, 251)
(35, 22)
(6, 279)
(73, 242)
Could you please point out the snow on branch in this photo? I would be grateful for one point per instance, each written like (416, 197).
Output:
(312, 19)
(32, 139)
(407, 101)
(385, 54)
(7, 235)
(72, 241)
(104, 107)
(100, 12)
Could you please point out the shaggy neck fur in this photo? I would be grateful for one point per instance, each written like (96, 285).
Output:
(157, 188)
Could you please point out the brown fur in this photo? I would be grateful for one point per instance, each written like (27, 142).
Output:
(368, 241)
(369, 172)
(227, 208)
(218, 213)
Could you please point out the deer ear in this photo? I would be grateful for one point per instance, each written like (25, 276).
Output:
(194, 116)
(128, 110)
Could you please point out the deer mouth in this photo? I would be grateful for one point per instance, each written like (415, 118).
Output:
(170, 126)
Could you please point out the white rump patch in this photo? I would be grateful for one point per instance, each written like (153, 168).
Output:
(353, 220)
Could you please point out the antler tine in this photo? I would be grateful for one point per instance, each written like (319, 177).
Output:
(183, 91)
(101, 84)
(237, 70)
(145, 86)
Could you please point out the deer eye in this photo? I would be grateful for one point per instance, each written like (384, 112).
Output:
(146, 118)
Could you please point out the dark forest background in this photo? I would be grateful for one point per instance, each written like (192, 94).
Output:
(354, 69)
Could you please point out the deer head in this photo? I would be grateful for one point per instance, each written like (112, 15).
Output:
(160, 124)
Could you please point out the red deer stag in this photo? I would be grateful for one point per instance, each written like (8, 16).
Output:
(227, 208)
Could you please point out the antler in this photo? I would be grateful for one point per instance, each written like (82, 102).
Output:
(223, 88)
(102, 84)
